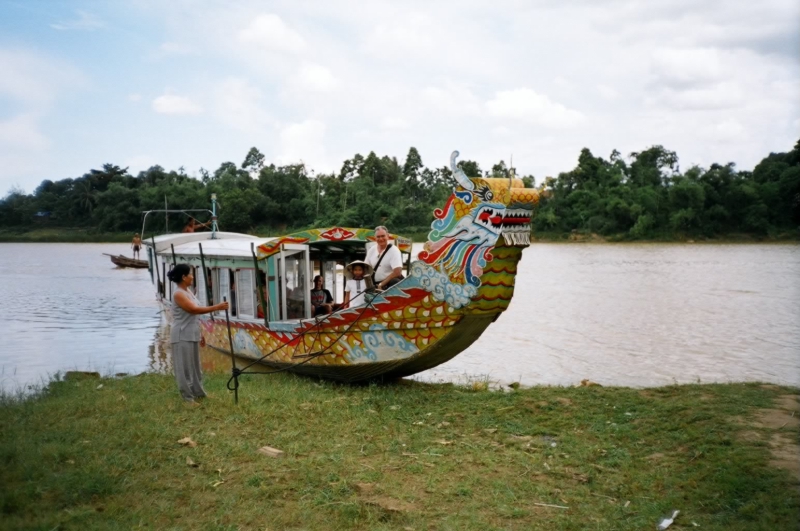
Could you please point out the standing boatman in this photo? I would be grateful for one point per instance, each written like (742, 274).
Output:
(136, 244)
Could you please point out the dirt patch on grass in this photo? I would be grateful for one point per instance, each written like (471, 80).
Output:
(779, 428)
(785, 453)
(775, 419)
(389, 505)
(789, 403)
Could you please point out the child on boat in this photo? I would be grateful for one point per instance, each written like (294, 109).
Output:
(357, 284)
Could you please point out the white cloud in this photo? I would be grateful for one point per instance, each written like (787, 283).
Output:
(303, 142)
(138, 163)
(239, 105)
(34, 79)
(563, 83)
(270, 32)
(393, 123)
(687, 66)
(173, 104)
(529, 106)
(412, 32)
(30, 85)
(501, 130)
(452, 99)
(316, 78)
(607, 92)
(728, 130)
(84, 22)
(22, 132)
(719, 96)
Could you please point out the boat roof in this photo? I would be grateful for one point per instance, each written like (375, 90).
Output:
(232, 247)
(333, 238)
(332, 241)
(164, 241)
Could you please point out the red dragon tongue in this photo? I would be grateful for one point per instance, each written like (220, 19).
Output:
(496, 220)
(484, 216)
(517, 221)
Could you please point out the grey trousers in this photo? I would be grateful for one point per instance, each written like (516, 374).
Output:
(186, 363)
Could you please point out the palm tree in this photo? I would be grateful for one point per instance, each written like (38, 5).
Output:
(84, 193)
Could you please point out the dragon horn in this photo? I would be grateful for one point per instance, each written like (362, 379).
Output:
(459, 174)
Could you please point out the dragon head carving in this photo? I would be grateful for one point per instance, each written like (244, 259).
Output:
(475, 216)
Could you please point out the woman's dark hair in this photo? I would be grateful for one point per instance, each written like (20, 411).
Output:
(177, 273)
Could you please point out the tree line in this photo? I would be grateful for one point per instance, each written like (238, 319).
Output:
(647, 196)
(644, 195)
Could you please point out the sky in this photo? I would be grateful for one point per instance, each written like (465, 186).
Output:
(197, 83)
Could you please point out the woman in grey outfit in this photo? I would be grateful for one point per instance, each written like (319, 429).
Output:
(185, 333)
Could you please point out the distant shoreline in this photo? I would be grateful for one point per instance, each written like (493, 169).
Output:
(76, 235)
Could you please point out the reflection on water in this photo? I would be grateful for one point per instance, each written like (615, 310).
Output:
(158, 352)
(635, 315)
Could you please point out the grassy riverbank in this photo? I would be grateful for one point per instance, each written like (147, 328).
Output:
(103, 454)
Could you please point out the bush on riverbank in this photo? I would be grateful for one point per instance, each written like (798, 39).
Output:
(104, 453)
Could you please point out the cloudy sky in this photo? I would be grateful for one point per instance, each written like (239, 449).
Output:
(196, 83)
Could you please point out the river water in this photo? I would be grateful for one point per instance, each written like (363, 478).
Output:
(617, 314)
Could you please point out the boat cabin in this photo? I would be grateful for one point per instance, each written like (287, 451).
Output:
(264, 279)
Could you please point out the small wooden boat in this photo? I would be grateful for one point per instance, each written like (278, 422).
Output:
(124, 261)
(458, 286)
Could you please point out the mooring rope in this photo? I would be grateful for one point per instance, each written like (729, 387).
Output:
(233, 382)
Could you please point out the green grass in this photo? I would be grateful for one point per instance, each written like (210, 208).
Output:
(394, 456)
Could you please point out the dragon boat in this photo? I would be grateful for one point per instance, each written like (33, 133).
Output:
(460, 283)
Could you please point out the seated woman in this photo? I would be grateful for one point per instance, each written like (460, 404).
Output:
(321, 298)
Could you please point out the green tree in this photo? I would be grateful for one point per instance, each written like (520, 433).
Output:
(253, 162)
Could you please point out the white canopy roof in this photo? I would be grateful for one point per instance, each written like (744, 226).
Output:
(231, 247)
(163, 242)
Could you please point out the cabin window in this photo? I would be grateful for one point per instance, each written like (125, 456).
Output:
(328, 272)
(200, 286)
(246, 293)
(262, 299)
(223, 285)
(295, 282)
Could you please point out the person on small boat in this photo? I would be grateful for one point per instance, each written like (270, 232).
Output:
(136, 244)
(385, 259)
(185, 333)
(321, 298)
(356, 285)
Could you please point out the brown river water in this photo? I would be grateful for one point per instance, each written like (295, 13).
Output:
(638, 315)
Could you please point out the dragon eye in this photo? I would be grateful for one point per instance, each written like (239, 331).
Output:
(485, 193)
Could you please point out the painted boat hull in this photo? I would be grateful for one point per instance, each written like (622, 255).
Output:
(407, 332)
